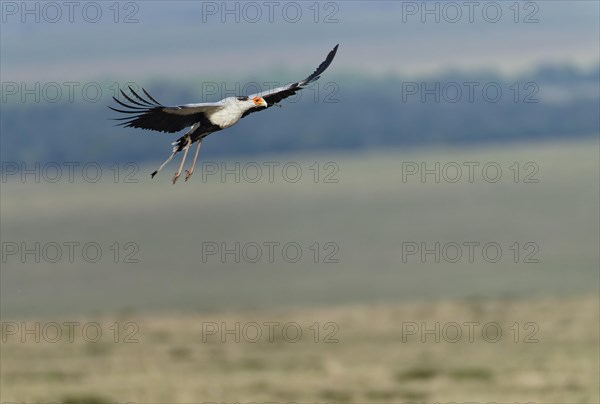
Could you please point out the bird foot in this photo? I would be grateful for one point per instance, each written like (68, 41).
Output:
(176, 177)
(188, 174)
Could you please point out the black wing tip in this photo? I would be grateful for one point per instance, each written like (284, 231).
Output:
(140, 106)
(151, 98)
(322, 67)
(332, 53)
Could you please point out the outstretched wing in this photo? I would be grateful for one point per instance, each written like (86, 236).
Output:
(276, 95)
(150, 114)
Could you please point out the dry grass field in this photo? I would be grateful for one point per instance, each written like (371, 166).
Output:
(362, 353)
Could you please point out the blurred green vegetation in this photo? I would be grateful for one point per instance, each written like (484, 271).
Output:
(339, 112)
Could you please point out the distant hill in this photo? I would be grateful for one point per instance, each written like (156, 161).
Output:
(338, 113)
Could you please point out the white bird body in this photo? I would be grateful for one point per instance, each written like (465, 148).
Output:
(231, 112)
(203, 118)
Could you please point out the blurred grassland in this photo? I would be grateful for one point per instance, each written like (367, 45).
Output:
(369, 213)
(370, 362)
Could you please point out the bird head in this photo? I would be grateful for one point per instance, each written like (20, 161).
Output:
(259, 102)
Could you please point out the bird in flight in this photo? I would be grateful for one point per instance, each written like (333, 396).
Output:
(204, 118)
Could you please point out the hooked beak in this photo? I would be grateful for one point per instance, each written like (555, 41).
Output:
(262, 103)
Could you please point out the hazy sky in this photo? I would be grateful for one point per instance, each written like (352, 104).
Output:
(140, 39)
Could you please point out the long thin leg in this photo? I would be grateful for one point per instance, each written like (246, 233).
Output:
(164, 164)
(187, 149)
(189, 173)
